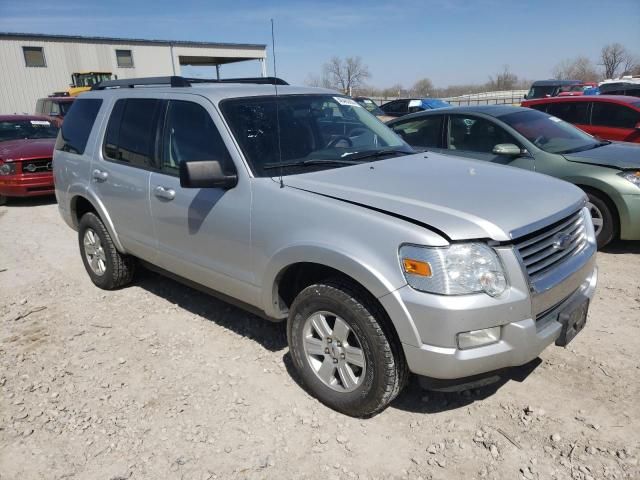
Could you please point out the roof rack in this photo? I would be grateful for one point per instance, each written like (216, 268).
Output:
(175, 81)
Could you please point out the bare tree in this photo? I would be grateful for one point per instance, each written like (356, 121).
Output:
(504, 80)
(612, 57)
(579, 68)
(346, 74)
(631, 65)
(422, 88)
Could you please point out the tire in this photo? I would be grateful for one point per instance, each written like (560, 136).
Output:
(3, 200)
(384, 370)
(604, 219)
(110, 269)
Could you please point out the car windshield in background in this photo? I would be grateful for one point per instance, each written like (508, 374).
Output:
(322, 131)
(64, 107)
(550, 133)
(541, 92)
(370, 105)
(26, 129)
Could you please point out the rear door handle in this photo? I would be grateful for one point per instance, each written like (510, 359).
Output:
(100, 175)
(165, 193)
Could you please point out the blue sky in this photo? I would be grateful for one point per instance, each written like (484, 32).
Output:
(449, 41)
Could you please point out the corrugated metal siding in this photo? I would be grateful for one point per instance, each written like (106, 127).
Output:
(21, 86)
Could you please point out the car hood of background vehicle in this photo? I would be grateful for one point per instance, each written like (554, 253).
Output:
(617, 154)
(15, 150)
(462, 199)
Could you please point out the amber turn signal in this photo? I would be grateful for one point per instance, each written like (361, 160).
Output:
(416, 267)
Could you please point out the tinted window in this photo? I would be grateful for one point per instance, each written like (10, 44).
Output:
(612, 115)
(476, 134)
(398, 106)
(542, 107)
(423, 132)
(327, 130)
(131, 132)
(190, 136)
(572, 112)
(77, 125)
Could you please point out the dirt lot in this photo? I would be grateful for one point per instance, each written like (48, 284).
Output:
(159, 381)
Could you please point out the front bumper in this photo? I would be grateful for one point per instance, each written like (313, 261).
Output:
(27, 185)
(525, 332)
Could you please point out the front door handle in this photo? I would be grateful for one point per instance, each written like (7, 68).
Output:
(100, 175)
(165, 193)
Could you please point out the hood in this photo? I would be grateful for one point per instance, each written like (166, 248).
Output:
(622, 155)
(458, 198)
(15, 150)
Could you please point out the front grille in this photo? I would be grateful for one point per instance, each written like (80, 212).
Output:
(39, 165)
(541, 251)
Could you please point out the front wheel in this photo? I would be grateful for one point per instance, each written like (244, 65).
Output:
(340, 348)
(603, 219)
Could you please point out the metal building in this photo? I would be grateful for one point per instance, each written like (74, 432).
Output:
(33, 66)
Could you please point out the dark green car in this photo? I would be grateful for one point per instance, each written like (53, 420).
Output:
(609, 172)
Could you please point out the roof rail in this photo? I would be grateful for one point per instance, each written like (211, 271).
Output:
(175, 81)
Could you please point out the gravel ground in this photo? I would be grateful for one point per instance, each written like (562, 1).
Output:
(159, 381)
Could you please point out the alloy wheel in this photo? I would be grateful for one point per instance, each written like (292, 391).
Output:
(596, 217)
(94, 252)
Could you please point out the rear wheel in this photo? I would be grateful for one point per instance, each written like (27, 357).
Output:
(604, 221)
(338, 344)
(107, 267)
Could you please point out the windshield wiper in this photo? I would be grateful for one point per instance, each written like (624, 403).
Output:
(310, 162)
(585, 148)
(375, 154)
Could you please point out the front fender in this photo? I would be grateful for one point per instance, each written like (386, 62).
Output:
(77, 191)
(377, 283)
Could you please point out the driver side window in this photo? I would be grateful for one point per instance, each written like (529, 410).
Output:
(475, 134)
(191, 136)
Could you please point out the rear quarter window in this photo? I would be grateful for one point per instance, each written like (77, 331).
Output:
(77, 125)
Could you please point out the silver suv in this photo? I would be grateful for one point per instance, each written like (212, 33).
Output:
(302, 206)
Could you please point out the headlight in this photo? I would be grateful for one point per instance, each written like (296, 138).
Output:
(459, 269)
(632, 175)
(7, 169)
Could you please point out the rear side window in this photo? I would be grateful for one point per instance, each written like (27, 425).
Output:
(191, 136)
(572, 112)
(542, 107)
(612, 115)
(423, 132)
(77, 125)
(132, 131)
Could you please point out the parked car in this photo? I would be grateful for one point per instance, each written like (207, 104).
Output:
(304, 208)
(576, 90)
(398, 108)
(54, 107)
(608, 172)
(26, 149)
(373, 108)
(549, 88)
(629, 89)
(610, 117)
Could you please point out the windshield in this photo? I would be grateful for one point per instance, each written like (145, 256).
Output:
(550, 133)
(317, 129)
(64, 107)
(370, 105)
(541, 92)
(23, 129)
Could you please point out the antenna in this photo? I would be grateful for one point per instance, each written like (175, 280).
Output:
(275, 74)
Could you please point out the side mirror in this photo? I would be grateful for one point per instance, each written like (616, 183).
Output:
(205, 174)
(507, 149)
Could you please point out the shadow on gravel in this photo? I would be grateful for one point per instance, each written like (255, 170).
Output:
(415, 399)
(272, 336)
(30, 201)
(622, 246)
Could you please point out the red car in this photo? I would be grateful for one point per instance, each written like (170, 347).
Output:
(610, 117)
(26, 150)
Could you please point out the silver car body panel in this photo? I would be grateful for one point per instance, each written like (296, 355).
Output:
(352, 219)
